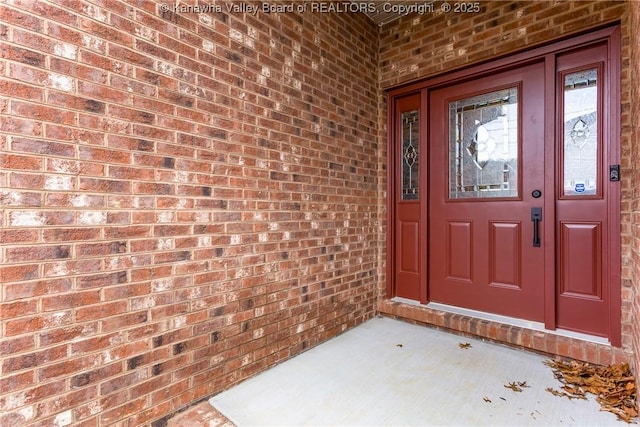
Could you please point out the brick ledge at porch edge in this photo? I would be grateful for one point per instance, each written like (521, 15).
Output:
(517, 336)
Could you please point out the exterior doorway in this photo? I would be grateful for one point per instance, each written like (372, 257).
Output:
(505, 187)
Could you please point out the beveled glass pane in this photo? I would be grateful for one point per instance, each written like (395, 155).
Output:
(483, 145)
(409, 155)
(580, 133)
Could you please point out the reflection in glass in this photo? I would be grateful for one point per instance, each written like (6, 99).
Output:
(483, 145)
(580, 133)
(409, 155)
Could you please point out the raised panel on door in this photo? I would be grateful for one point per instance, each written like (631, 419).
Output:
(505, 250)
(581, 260)
(408, 247)
(459, 250)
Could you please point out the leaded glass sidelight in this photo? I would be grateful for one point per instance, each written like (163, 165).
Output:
(580, 122)
(410, 155)
(483, 145)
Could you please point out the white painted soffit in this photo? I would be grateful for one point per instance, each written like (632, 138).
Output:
(390, 10)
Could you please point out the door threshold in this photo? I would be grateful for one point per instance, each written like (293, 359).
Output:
(512, 321)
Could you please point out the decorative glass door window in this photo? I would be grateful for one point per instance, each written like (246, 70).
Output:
(580, 133)
(410, 155)
(484, 146)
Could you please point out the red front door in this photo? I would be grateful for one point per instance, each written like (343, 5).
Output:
(487, 179)
(504, 192)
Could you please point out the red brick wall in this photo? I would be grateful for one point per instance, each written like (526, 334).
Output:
(417, 47)
(634, 91)
(187, 198)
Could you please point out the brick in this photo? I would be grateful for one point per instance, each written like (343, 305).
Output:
(17, 162)
(31, 360)
(16, 309)
(130, 56)
(77, 299)
(133, 115)
(19, 273)
(135, 86)
(16, 382)
(130, 320)
(104, 185)
(123, 412)
(19, 290)
(88, 377)
(155, 50)
(11, 346)
(20, 126)
(21, 90)
(69, 69)
(65, 268)
(106, 32)
(26, 254)
(54, 336)
(76, 102)
(26, 181)
(70, 234)
(102, 280)
(32, 324)
(15, 17)
(66, 368)
(101, 248)
(25, 56)
(62, 410)
(101, 93)
(32, 395)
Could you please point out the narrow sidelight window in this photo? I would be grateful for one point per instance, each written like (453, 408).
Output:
(580, 135)
(410, 155)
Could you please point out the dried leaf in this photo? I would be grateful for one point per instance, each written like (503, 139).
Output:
(399, 345)
(486, 399)
(465, 345)
(564, 394)
(613, 385)
(554, 391)
(515, 386)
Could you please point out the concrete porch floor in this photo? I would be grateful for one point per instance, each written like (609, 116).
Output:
(387, 373)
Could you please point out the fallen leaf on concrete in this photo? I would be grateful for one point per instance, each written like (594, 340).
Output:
(465, 345)
(486, 399)
(613, 385)
(516, 386)
(564, 394)
(399, 345)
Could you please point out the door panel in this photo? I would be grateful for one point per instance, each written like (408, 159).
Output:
(409, 258)
(486, 137)
(506, 255)
(459, 253)
(581, 260)
(582, 205)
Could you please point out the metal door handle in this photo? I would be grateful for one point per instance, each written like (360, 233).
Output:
(536, 217)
